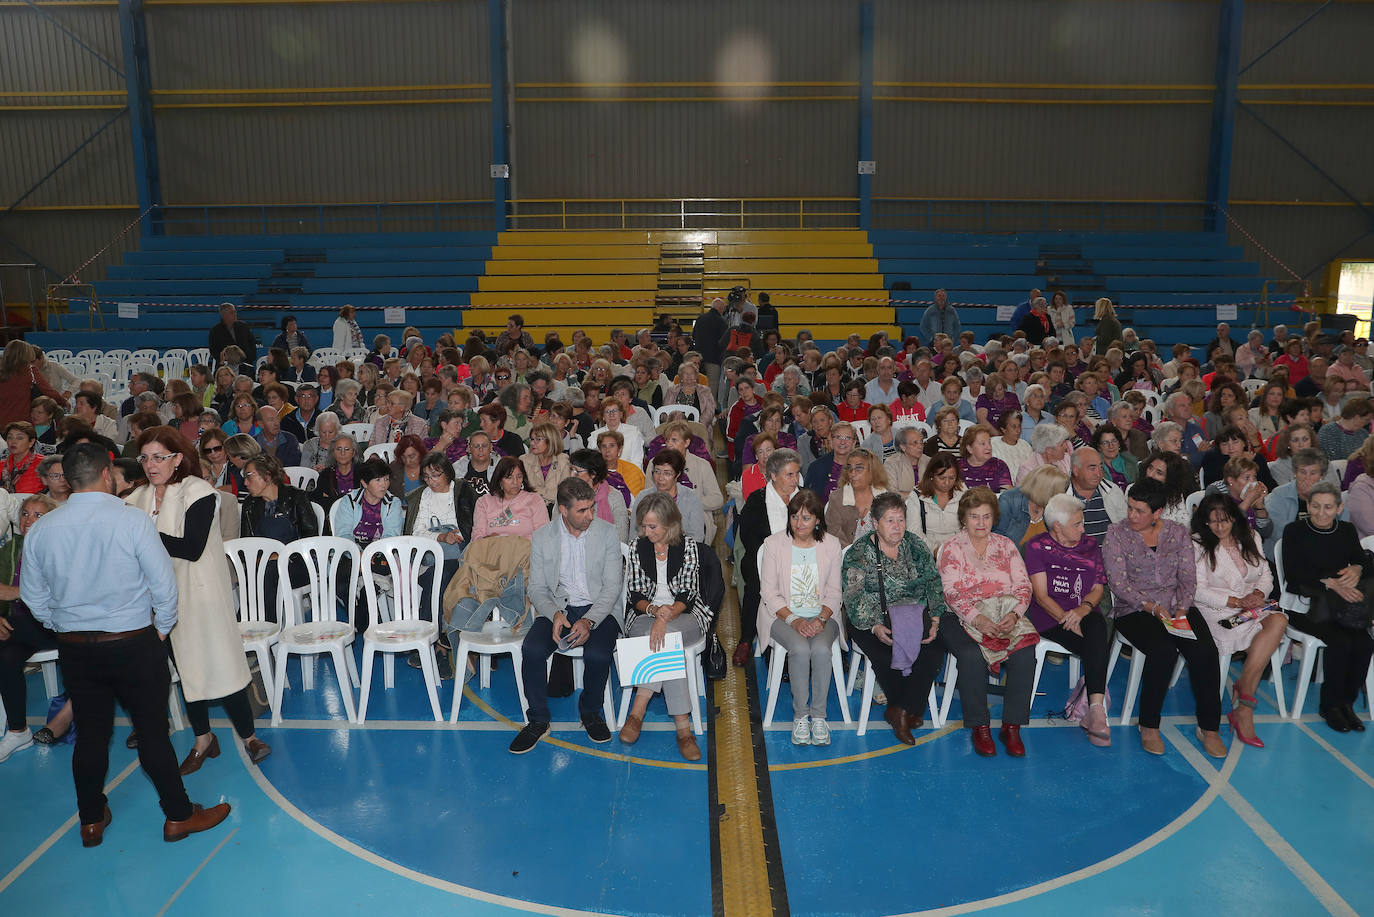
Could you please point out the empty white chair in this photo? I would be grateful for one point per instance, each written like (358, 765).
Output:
(200, 355)
(249, 559)
(314, 626)
(46, 660)
(361, 432)
(1252, 386)
(407, 557)
(302, 478)
(1191, 502)
(385, 451)
(862, 429)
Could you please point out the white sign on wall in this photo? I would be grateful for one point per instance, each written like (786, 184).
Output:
(128, 310)
(1226, 313)
(1004, 313)
(394, 315)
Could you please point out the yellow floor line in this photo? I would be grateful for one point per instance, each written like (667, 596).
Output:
(745, 890)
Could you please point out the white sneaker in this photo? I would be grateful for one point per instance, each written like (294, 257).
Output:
(820, 731)
(801, 731)
(879, 698)
(16, 741)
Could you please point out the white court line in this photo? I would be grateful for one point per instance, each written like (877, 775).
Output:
(368, 856)
(1087, 872)
(1328, 897)
(184, 885)
(1349, 765)
(42, 848)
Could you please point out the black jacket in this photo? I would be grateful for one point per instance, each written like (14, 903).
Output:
(464, 503)
(221, 337)
(290, 501)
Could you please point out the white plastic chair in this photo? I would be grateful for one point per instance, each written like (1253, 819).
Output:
(1252, 386)
(302, 478)
(1152, 397)
(361, 432)
(1338, 467)
(406, 556)
(964, 426)
(862, 429)
(494, 639)
(199, 355)
(1151, 413)
(384, 451)
(777, 665)
(321, 630)
(1042, 649)
(319, 517)
(249, 559)
(1311, 646)
(1190, 503)
(47, 661)
(1133, 677)
(866, 696)
(575, 654)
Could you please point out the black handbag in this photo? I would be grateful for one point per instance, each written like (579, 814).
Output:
(714, 665)
(1330, 607)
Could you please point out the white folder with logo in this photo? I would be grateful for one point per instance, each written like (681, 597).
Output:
(637, 665)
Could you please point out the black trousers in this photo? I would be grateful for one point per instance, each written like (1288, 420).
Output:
(27, 638)
(1345, 659)
(973, 678)
(134, 672)
(539, 645)
(1093, 648)
(909, 692)
(236, 705)
(1161, 651)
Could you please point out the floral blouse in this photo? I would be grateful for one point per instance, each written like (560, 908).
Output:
(910, 578)
(1137, 574)
(968, 580)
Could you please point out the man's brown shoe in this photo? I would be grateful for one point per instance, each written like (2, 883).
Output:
(202, 819)
(897, 718)
(93, 834)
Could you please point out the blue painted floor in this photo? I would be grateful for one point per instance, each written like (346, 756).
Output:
(406, 816)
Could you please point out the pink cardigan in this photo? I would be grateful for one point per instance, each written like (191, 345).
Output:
(775, 570)
(528, 513)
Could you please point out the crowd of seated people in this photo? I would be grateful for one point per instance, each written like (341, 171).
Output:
(1028, 489)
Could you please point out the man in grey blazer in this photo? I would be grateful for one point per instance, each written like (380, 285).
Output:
(576, 575)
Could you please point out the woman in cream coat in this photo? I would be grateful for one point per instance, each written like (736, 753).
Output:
(800, 593)
(205, 641)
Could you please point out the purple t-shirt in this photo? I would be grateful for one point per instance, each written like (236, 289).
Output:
(1070, 573)
(992, 474)
(997, 407)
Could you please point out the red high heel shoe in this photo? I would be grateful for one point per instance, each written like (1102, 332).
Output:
(1240, 699)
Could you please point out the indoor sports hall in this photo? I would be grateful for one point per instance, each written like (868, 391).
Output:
(412, 184)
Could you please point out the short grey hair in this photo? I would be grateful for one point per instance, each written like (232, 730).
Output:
(905, 433)
(1047, 436)
(1163, 429)
(1173, 399)
(1325, 487)
(1061, 509)
(1305, 458)
(1117, 407)
(344, 386)
(778, 460)
(1035, 389)
(329, 417)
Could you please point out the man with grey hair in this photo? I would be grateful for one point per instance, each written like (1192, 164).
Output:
(1280, 341)
(1103, 502)
(1051, 444)
(1180, 411)
(275, 441)
(231, 331)
(883, 390)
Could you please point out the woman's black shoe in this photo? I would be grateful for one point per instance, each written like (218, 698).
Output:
(1352, 719)
(1335, 718)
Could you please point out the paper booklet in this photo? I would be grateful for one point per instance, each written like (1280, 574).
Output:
(636, 665)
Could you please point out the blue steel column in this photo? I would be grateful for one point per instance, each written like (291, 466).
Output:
(1223, 113)
(865, 110)
(496, 23)
(138, 84)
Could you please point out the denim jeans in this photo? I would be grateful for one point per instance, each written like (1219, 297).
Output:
(539, 645)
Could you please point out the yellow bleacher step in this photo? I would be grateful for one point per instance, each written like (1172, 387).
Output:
(795, 250)
(572, 252)
(702, 236)
(774, 282)
(572, 266)
(752, 266)
(574, 282)
(600, 331)
(553, 297)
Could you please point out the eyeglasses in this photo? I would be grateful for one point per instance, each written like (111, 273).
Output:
(539, 439)
(211, 450)
(55, 476)
(501, 378)
(249, 474)
(158, 457)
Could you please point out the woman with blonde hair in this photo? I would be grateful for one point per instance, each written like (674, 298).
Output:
(545, 464)
(848, 515)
